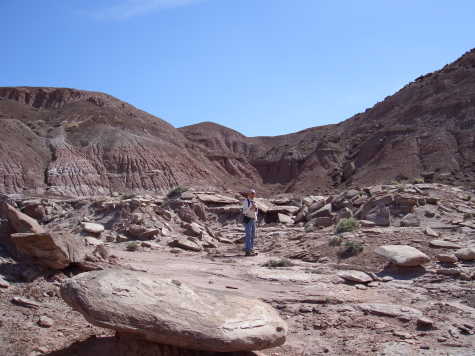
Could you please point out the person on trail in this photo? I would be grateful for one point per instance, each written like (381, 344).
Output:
(249, 211)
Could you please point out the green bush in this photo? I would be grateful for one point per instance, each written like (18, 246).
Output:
(281, 262)
(176, 192)
(133, 246)
(347, 225)
(351, 248)
(419, 180)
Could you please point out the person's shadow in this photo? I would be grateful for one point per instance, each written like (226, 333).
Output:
(132, 346)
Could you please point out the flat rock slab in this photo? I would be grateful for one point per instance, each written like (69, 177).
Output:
(185, 244)
(403, 255)
(444, 244)
(355, 276)
(216, 198)
(392, 310)
(170, 312)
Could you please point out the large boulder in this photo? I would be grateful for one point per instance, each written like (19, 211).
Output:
(170, 312)
(403, 255)
(21, 222)
(52, 250)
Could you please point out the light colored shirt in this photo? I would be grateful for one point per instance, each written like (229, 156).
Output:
(246, 209)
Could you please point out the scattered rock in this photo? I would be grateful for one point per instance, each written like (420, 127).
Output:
(92, 228)
(176, 314)
(186, 244)
(392, 310)
(284, 219)
(4, 283)
(444, 244)
(355, 276)
(410, 220)
(403, 255)
(444, 258)
(24, 302)
(466, 254)
(45, 322)
(431, 232)
(367, 223)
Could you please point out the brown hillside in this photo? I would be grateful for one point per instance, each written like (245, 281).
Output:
(74, 142)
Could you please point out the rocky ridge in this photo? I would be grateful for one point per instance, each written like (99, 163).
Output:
(78, 143)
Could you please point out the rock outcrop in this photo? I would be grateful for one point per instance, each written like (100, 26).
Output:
(173, 313)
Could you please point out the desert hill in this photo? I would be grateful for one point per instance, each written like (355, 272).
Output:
(80, 143)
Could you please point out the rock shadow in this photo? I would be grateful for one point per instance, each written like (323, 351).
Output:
(401, 273)
(132, 346)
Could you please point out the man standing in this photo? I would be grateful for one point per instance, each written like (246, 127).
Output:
(249, 210)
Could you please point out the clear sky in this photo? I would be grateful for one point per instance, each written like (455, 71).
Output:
(262, 67)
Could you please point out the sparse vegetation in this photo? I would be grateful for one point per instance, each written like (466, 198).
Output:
(133, 246)
(280, 262)
(336, 241)
(351, 248)
(347, 225)
(419, 180)
(176, 192)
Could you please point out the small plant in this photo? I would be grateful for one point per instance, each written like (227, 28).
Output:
(133, 246)
(336, 241)
(281, 262)
(419, 180)
(347, 225)
(176, 192)
(351, 248)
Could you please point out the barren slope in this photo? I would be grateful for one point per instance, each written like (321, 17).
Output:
(73, 142)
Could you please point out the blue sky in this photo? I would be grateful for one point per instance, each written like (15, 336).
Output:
(262, 67)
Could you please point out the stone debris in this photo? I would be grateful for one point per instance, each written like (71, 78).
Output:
(392, 310)
(45, 322)
(446, 258)
(430, 232)
(355, 276)
(466, 254)
(403, 255)
(25, 302)
(4, 283)
(444, 244)
(92, 228)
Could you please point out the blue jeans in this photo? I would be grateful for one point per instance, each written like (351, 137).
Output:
(250, 229)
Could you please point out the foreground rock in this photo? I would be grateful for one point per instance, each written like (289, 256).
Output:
(21, 222)
(170, 312)
(52, 250)
(466, 254)
(403, 255)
